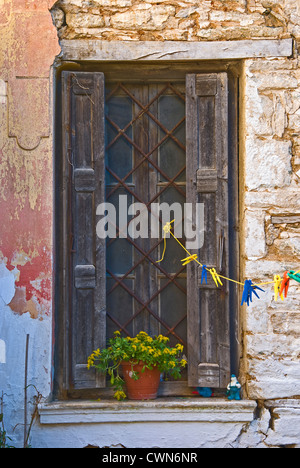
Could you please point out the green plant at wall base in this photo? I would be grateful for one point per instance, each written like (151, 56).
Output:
(3, 436)
(2, 433)
(142, 348)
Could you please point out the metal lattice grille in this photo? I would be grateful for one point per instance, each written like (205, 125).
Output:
(145, 163)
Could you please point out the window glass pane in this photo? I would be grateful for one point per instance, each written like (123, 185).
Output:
(173, 308)
(120, 305)
(172, 154)
(174, 252)
(120, 250)
(119, 150)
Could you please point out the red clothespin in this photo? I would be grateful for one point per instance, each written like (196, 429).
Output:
(285, 284)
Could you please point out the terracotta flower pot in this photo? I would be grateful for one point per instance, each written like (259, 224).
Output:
(146, 387)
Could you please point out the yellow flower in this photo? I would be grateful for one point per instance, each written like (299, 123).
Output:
(119, 395)
(162, 339)
(91, 360)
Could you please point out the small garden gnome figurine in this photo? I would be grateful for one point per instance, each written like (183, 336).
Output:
(234, 389)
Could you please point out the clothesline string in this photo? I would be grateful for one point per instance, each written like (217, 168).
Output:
(223, 277)
(215, 275)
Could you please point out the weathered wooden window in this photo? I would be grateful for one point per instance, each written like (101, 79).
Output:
(146, 141)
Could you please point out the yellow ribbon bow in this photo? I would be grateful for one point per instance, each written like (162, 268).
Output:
(167, 230)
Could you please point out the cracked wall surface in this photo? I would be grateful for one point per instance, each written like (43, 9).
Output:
(28, 47)
(27, 50)
(269, 183)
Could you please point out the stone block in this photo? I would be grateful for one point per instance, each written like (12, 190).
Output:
(294, 122)
(286, 424)
(255, 239)
(268, 164)
(265, 269)
(270, 377)
(160, 14)
(131, 19)
(186, 12)
(257, 316)
(266, 345)
(276, 80)
(58, 17)
(239, 17)
(286, 322)
(84, 20)
(289, 247)
(281, 198)
(113, 3)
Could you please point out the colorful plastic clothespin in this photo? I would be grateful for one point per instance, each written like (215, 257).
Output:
(249, 289)
(277, 286)
(215, 277)
(204, 274)
(294, 276)
(285, 284)
(189, 259)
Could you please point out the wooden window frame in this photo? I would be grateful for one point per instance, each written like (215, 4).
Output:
(149, 71)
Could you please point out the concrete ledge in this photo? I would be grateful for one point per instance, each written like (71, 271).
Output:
(97, 50)
(160, 410)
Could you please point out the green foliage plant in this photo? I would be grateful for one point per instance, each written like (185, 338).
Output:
(3, 435)
(151, 351)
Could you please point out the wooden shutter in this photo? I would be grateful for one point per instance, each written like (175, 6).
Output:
(84, 189)
(207, 182)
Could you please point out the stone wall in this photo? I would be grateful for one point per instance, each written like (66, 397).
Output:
(169, 20)
(271, 232)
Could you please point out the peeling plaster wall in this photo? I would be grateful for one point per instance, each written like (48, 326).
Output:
(28, 47)
(269, 186)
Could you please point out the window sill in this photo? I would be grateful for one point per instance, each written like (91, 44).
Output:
(159, 410)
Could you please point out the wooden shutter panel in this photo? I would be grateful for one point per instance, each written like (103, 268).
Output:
(207, 182)
(85, 270)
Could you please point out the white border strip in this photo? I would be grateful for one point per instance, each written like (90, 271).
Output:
(97, 50)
